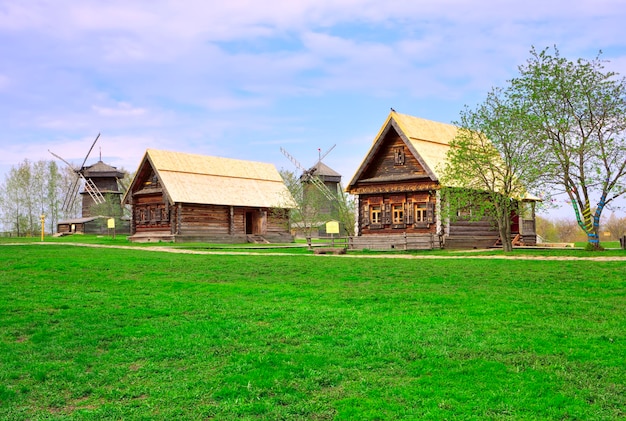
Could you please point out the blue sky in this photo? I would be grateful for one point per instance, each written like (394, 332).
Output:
(243, 78)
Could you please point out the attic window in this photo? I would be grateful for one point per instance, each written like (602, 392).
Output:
(398, 155)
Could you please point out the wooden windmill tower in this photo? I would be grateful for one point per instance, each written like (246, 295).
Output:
(322, 178)
(97, 181)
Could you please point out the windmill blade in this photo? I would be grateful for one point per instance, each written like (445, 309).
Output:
(71, 194)
(293, 160)
(322, 156)
(58, 157)
(323, 188)
(90, 149)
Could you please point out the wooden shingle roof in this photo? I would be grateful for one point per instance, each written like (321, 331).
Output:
(428, 141)
(200, 179)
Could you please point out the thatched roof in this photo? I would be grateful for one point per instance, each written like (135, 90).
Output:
(192, 178)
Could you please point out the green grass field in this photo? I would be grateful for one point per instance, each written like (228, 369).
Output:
(101, 333)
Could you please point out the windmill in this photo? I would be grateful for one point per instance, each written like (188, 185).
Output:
(79, 175)
(325, 180)
(312, 175)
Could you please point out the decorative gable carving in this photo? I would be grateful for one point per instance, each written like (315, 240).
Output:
(393, 161)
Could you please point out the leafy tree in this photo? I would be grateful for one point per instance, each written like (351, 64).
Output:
(110, 208)
(30, 190)
(312, 207)
(576, 111)
(486, 161)
(307, 215)
(53, 195)
(17, 201)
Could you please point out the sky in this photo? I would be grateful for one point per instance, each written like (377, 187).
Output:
(243, 78)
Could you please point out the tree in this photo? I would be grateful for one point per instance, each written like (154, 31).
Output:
(486, 161)
(17, 200)
(53, 194)
(30, 190)
(576, 112)
(313, 208)
(307, 214)
(615, 226)
(109, 208)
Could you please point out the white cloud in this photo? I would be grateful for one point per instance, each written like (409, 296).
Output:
(216, 77)
(121, 109)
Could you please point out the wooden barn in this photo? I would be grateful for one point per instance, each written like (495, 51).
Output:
(397, 189)
(187, 197)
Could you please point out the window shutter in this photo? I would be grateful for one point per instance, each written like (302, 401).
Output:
(431, 213)
(408, 212)
(387, 213)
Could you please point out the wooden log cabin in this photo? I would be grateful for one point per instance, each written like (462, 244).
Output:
(397, 190)
(181, 197)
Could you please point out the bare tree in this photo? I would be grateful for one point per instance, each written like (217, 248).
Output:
(615, 226)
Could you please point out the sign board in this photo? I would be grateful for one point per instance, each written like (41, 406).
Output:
(111, 223)
(332, 227)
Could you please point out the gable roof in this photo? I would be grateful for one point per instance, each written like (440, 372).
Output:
(428, 141)
(200, 179)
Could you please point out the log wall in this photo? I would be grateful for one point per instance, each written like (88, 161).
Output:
(395, 242)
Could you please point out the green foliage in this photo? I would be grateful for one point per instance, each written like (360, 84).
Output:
(313, 208)
(490, 162)
(578, 110)
(175, 336)
(593, 247)
(29, 190)
(111, 208)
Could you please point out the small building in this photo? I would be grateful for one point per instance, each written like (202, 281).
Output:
(90, 225)
(397, 190)
(183, 197)
(101, 182)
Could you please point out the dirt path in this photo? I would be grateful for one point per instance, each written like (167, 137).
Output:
(165, 249)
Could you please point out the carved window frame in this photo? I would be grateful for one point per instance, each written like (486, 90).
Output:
(398, 215)
(376, 216)
(399, 157)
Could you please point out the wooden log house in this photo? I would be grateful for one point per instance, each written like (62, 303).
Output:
(397, 190)
(180, 197)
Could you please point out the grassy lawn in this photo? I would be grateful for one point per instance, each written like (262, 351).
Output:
(91, 333)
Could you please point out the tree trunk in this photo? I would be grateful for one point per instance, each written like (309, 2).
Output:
(593, 240)
(504, 229)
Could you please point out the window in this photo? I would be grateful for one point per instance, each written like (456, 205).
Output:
(421, 212)
(398, 156)
(398, 213)
(375, 214)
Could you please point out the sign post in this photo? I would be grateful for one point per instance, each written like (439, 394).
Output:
(111, 226)
(43, 224)
(332, 227)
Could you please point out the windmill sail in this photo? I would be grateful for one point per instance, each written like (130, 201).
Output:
(89, 186)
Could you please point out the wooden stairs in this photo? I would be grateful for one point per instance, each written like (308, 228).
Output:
(256, 239)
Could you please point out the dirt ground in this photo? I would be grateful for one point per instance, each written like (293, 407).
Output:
(165, 249)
